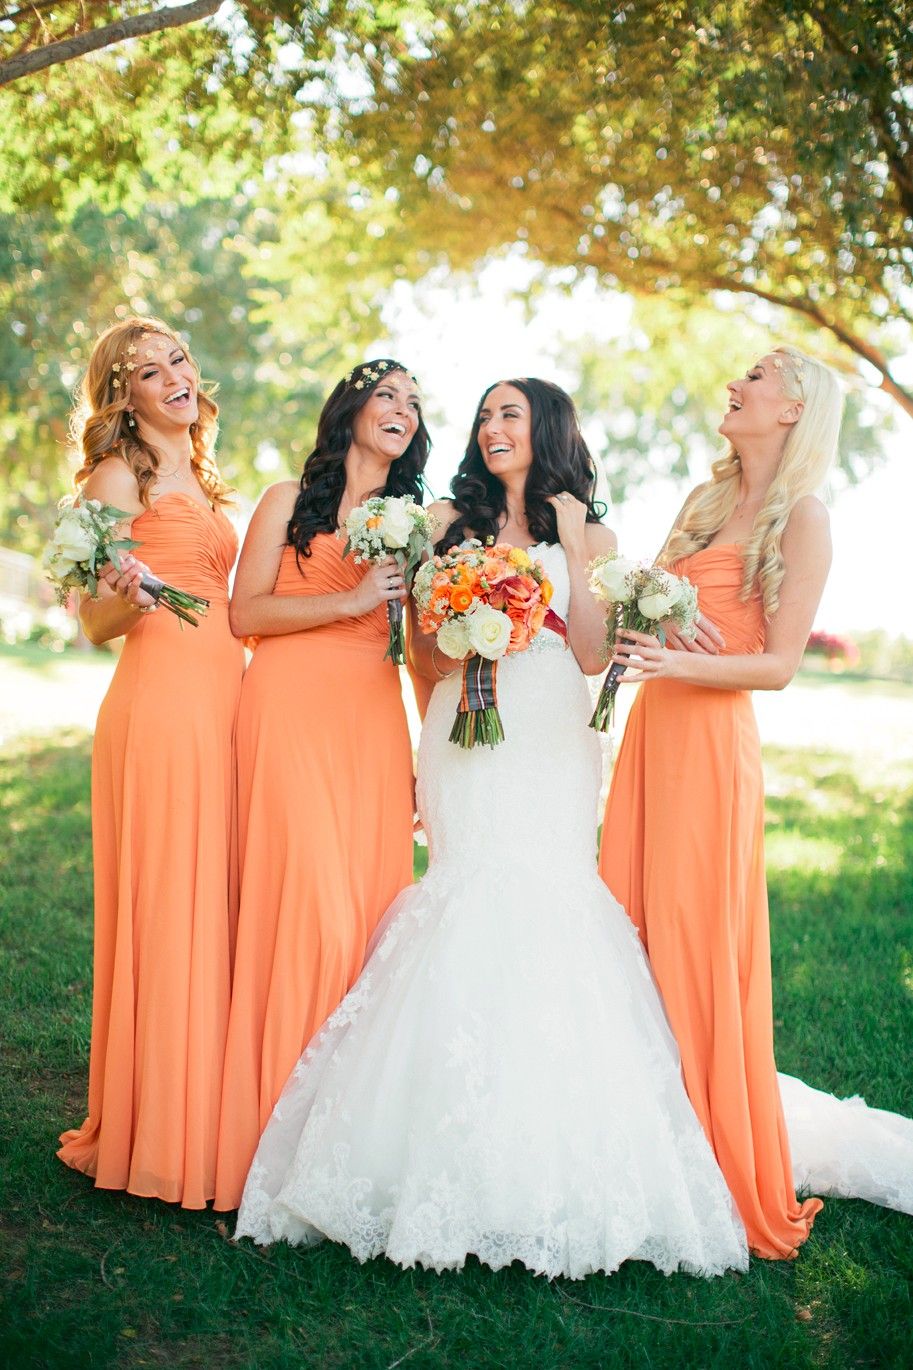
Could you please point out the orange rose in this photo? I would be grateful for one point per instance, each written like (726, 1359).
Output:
(546, 590)
(536, 618)
(520, 635)
(460, 598)
(374, 522)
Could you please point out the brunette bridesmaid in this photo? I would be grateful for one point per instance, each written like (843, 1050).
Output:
(683, 839)
(162, 776)
(325, 762)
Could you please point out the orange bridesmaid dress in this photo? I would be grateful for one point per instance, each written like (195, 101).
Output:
(683, 851)
(325, 821)
(165, 897)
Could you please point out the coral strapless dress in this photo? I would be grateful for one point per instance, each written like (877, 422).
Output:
(165, 888)
(325, 812)
(683, 851)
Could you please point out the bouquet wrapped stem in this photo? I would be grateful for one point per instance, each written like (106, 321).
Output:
(482, 603)
(396, 644)
(390, 526)
(640, 599)
(477, 719)
(180, 602)
(85, 539)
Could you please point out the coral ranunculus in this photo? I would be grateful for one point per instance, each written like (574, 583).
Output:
(460, 598)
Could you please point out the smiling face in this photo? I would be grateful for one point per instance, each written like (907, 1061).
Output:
(387, 421)
(759, 406)
(163, 385)
(505, 432)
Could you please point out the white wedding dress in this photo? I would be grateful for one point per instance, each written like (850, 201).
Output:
(502, 1080)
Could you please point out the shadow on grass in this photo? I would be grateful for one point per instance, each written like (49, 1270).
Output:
(118, 1281)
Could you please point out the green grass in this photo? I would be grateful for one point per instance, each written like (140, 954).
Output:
(101, 1279)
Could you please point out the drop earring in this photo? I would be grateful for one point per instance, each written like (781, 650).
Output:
(131, 421)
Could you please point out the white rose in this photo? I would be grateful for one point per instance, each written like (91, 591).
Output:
(489, 631)
(397, 525)
(73, 539)
(59, 565)
(453, 638)
(611, 578)
(658, 605)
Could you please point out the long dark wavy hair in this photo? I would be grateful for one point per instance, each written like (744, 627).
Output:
(561, 461)
(323, 480)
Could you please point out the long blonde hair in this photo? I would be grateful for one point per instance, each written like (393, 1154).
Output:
(98, 423)
(808, 453)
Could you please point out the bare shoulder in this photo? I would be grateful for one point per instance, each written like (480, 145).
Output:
(443, 511)
(112, 482)
(600, 539)
(809, 512)
(807, 536)
(282, 495)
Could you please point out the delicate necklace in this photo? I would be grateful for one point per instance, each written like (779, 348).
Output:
(745, 503)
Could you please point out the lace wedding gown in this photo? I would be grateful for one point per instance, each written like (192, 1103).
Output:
(501, 1080)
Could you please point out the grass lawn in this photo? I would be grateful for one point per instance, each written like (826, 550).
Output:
(101, 1279)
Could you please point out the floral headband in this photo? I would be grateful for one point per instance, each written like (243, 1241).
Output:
(785, 361)
(366, 375)
(122, 368)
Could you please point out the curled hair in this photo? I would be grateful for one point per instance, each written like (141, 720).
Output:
(561, 461)
(98, 424)
(808, 454)
(323, 480)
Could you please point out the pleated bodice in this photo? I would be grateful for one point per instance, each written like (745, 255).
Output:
(326, 571)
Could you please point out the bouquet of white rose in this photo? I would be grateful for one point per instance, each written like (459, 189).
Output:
(390, 526)
(85, 539)
(483, 602)
(639, 597)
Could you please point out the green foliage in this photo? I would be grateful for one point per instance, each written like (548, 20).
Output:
(678, 147)
(130, 1281)
(262, 282)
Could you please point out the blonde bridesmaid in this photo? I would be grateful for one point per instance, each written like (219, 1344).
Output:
(683, 839)
(325, 762)
(162, 776)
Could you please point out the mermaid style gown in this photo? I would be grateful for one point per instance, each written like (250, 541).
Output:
(501, 1080)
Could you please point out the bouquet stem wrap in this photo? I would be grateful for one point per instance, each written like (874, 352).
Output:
(396, 643)
(477, 719)
(180, 602)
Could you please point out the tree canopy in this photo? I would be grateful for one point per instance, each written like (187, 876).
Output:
(683, 148)
(262, 177)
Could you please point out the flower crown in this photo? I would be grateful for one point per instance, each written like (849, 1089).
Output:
(121, 369)
(785, 361)
(369, 373)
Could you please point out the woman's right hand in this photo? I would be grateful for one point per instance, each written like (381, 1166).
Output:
(383, 582)
(126, 581)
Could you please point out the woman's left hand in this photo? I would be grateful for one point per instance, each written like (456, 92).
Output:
(643, 655)
(570, 514)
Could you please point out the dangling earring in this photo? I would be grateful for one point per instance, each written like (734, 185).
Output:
(131, 421)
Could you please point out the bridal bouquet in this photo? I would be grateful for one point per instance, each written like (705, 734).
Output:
(483, 602)
(85, 539)
(390, 525)
(639, 598)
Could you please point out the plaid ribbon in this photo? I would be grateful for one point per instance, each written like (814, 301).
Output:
(480, 685)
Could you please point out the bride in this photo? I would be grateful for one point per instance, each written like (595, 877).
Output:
(502, 1081)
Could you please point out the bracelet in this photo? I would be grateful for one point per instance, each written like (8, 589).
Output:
(145, 608)
(442, 676)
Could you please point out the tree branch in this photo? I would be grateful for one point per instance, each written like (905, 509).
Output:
(26, 63)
